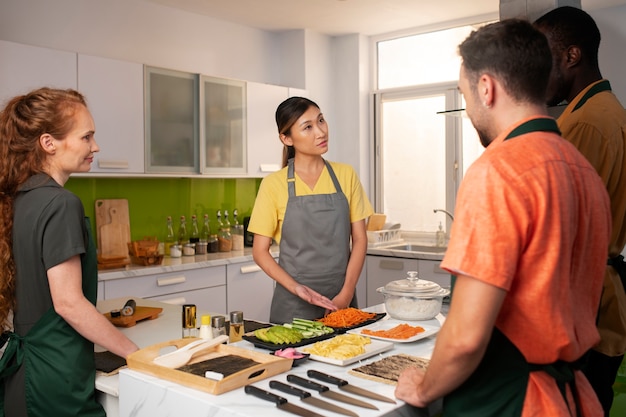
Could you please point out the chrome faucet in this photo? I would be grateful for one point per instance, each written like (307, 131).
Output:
(445, 211)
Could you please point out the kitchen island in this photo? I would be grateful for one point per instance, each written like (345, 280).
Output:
(140, 394)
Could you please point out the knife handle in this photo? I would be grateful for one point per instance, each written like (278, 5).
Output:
(290, 389)
(306, 383)
(326, 378)
(264, 395)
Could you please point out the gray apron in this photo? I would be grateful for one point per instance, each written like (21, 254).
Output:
(314, 248)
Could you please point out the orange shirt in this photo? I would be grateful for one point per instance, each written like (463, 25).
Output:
(533, 218)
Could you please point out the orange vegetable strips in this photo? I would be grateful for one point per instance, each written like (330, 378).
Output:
(346, 317)
(401, 331)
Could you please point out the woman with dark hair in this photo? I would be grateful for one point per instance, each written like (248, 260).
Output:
(316, 210)
(48, 263)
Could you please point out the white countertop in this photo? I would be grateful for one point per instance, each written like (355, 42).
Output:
(143, 395)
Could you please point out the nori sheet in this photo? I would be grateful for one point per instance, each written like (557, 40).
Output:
(225, 365)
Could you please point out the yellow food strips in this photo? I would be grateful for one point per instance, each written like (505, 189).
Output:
(340, 347)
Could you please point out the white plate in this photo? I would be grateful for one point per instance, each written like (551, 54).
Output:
(374, 348)
(431, 327)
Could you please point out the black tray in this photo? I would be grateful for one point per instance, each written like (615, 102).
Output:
(340, 330)
(271, 346)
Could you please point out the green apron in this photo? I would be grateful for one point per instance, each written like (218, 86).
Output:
(56, 363)
(498, 386)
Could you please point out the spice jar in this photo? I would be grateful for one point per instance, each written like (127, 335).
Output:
(176, 251)
(237, 233)
(189, 249)
(224, 238)
(218, 324)
(236, 331)
(213, 244)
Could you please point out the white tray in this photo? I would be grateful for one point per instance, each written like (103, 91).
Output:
(372, 349)
(429, 329)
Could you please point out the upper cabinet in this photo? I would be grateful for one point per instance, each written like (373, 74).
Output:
(114, 93)
(264, 146)
(171, 121)
(24, 68)
(223, 126)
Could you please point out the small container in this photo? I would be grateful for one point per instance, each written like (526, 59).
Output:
(189, 249)
(201, 248)
(236, 331)
(218, 324)
(413, 298)
(440, 236)
(176, 251)
(189, 320)
(206, 332)
(213, 245)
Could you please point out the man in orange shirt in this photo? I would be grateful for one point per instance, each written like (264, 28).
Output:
(595, 122)
(524, 304)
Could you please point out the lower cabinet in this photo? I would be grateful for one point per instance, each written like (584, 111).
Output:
(249, 290)
(383, 269)
(430, 270)
(205, 287)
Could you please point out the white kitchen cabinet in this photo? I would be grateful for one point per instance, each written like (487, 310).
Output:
(430, 270)
(249, 290)
(382, 270)
(361, 287)
(207, 286)
(114, 93)
(24, 68)
(264, 146)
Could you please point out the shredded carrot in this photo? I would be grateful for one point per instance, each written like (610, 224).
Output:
(346, 317)
(401, 331)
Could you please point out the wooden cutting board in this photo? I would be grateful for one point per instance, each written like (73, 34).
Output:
(113, 227)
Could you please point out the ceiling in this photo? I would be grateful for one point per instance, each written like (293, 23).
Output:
(338, 17)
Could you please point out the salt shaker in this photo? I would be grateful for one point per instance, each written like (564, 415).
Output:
(218, 323)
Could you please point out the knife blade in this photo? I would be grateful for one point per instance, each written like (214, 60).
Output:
(281, 403)
(326, 392)
(344, 385)
(305, 396)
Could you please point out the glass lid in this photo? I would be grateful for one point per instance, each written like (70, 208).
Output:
(412, 284)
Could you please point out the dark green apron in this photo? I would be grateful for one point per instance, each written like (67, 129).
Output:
(498, 386)
(57, 362)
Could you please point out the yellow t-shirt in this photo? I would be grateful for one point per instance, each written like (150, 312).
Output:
(271, 201)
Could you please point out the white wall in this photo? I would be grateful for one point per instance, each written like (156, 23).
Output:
(612, 57)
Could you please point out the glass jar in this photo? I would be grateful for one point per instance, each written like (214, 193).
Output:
(224, 238)
(237, 232)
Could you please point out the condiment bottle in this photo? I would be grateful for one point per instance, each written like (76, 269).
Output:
(195, 233)
(206, 332)
(218, 324)
(236, 327)
(237, 233)
(169, 236)
(182, 231)
(224, 238)
(189, 320)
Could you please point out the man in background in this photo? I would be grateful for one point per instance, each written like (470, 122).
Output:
(524, 304)
(595, 122)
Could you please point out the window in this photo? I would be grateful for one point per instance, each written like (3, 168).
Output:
(421, 156)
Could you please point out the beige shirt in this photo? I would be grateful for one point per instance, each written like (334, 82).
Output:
(598, 129)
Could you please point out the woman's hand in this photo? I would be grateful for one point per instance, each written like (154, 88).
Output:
(314, 298)
(408, 386)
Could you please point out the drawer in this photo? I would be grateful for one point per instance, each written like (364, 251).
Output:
(207, 300)
(167, 283)
(430, 270)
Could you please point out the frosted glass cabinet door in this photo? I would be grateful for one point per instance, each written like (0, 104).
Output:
(223, 126)
(171, 121)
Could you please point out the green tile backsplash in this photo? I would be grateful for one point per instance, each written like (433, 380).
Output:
(151, 200)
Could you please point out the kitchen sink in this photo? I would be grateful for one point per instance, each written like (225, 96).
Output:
(411, 247)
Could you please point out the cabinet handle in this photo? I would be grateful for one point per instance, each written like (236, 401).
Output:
(162, 282)
(395, 265)
(176, 301)
(250, 269)
(112, 164)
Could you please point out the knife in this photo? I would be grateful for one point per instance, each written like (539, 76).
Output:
(345, 386)
(306, 397)
(326, 392)
(281, 403)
